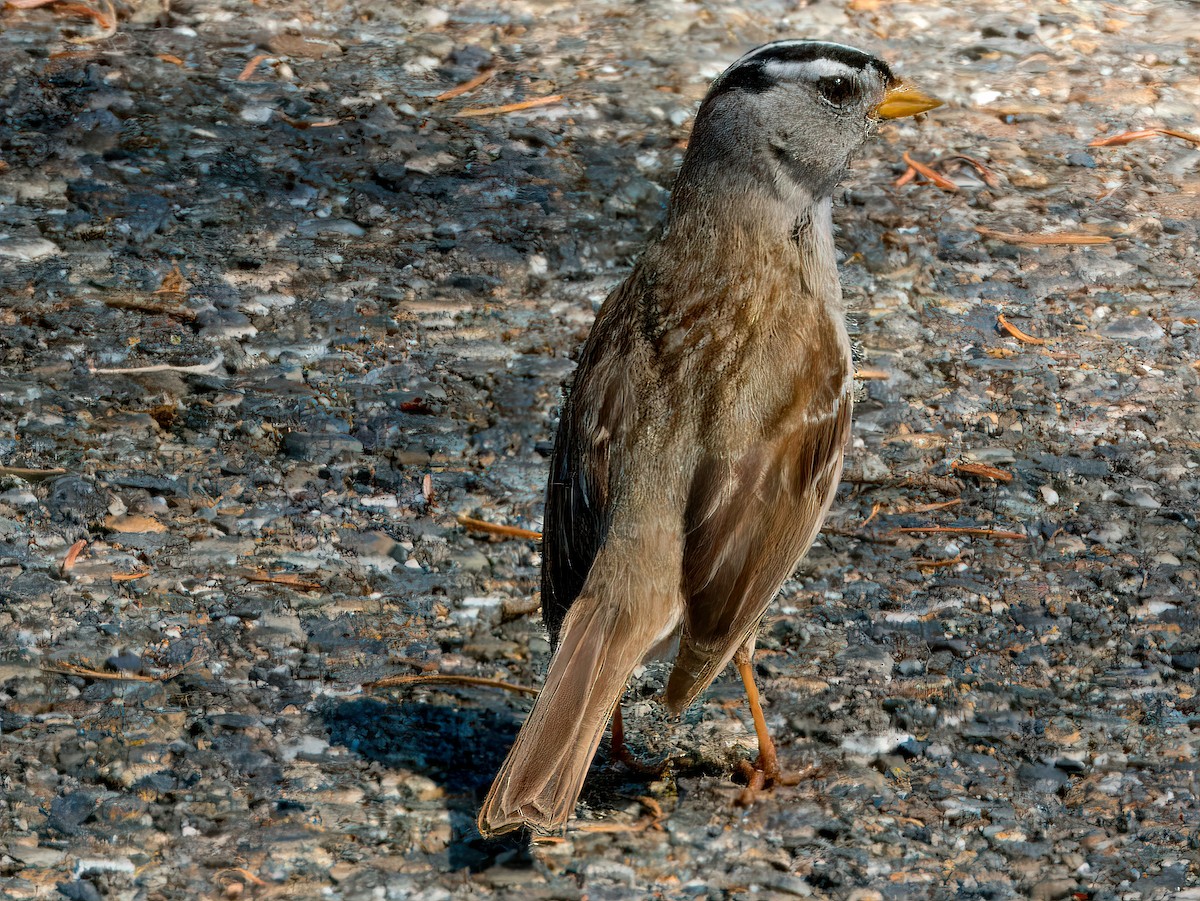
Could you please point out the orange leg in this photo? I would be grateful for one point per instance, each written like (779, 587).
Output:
(765, 771)
(619, 751)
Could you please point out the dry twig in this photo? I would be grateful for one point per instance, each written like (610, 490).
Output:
(935, 564)
(1060, 238)
(105, 19)
(303, 124)
(931, 508)
(508, 107)
(291, 580)
(1130, 136)
(73, 554)
(963, 530)
(988, 176)
(1016, 332)
(70, 669)
(241, 872)
(198, 369)
(130, 577)
(492, 528)
(872, 375)
(248, 70)
(31, 475)
(933, 177)
(982, 471)
(459, 90)
(148, 306)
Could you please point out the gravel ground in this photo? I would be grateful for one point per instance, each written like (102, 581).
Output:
(265, 339)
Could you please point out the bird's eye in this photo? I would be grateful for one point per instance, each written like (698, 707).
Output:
(837, 90)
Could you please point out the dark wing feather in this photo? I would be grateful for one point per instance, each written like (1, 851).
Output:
(749, 521)
(595, 423)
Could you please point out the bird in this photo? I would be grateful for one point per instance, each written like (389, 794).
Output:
(701, 444)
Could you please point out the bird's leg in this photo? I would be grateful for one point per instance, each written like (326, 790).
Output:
(620, 752)
(765, 771)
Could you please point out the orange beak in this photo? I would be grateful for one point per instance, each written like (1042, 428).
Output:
(904, 100)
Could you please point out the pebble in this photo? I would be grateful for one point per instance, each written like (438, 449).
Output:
(261, 304)
(320, 448)
(26, 250)
(1052, 889)
(310, 228)
(1133, 328)
(257, 114)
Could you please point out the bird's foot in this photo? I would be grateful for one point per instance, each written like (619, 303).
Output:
(622, 755)
(619, 752)
(762, 776)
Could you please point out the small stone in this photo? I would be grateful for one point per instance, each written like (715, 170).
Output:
(609, 871)
(223, 551)
(257, 114)
(321, 447)
(471, 561)
(121, 810)
(1142, 499)
(286, 628)
(787, 884)
(27, 250)
(865, 661)
(76, 499)
(427, 165)
(985, 96)
(1052, 889)
(301, 47)
(1133, 328)
(310, 228)
(220, 323)
(133, 522)
(126, 662)
(265, 303)
(69, 812)
(373, 544)
(79, 890)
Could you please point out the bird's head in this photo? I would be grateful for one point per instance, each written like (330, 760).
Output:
(796, 111)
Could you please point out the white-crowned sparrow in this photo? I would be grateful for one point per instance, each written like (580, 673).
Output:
(702, 443)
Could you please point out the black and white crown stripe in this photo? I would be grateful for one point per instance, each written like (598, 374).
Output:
(795, 59)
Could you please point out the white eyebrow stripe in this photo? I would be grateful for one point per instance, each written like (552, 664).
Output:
(809, 69)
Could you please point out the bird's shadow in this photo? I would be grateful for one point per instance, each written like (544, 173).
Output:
(460, 748)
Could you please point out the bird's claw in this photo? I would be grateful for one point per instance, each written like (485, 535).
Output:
(623, 756)
(762, 777)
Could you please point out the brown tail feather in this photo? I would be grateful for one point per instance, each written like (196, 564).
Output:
(543, 774)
